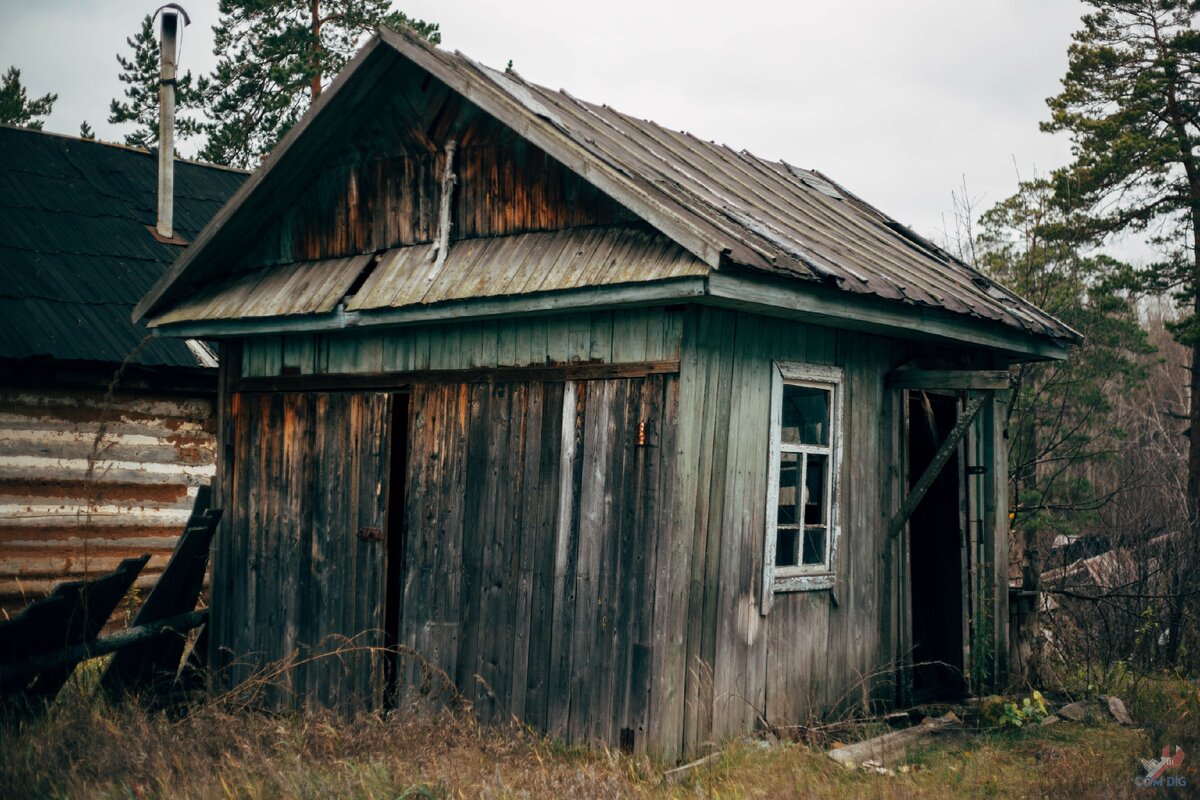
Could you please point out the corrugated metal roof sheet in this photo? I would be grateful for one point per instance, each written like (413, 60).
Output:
(772, 216)
(308, 287)
(525, 264)
(75, 254)
(729, 208)
(405, 276)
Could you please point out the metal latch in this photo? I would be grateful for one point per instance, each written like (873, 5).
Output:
(370, 534)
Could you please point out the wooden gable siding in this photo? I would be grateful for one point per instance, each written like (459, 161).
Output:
(806, 656)
(537, 519)
(607, 337)
(383, 188)
(292, 580)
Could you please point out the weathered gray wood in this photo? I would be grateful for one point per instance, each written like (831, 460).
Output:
(152, 663)
(893, 747)
(936, 464)
(949, 379)
(870, 315)
(666, 291)
(398, 380)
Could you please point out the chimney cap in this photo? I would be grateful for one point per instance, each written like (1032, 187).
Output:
(173, 7)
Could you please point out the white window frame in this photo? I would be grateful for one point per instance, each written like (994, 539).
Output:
(814, 577)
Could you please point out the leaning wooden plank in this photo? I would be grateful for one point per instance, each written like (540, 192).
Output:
(939, 460)
(892, 747)
(73, 614)
(152, 664)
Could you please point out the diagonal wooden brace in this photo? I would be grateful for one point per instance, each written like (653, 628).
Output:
(936, 464)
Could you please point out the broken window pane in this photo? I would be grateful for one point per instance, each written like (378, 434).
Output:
(805, 418)
(785, 547)
(789, 483)
(815, 512)
(814, 546)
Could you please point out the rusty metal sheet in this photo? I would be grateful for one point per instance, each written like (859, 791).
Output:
(526, 263)
(73, 506)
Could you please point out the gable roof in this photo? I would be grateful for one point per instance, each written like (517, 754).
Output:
(731, 210)
(75, 253)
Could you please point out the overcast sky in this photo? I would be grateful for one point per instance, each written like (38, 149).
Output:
(899, 101)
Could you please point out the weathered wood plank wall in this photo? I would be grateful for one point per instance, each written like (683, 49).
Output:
(72, 505)
(292, 579)
(809, 653)
(534, 525)
(371, 199)
(608, 337)
(558, 572)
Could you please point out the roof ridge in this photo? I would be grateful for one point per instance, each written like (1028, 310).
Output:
(122, 146)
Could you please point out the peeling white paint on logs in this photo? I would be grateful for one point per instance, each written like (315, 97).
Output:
(113, 471)
(72, 506)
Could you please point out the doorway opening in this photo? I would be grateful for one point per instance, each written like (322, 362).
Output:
(938, 556)
(396, 541)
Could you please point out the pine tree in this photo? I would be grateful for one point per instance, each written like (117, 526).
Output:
(1062, 423)
(16, 107)
(276, 56)
(86, 132)
(140, 73)
(1131, 102)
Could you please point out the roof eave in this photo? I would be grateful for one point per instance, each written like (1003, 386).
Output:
(763, 296)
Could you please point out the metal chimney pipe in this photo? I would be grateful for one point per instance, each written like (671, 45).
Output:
(166, 124)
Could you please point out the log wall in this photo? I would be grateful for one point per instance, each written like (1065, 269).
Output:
(87, 480)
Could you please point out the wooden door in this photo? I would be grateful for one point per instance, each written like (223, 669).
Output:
(298, 579)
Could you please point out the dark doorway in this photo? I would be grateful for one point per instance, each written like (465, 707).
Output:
(397, 540)
(936, 553)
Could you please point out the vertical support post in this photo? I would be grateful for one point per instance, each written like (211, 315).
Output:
(990, 640)
(229, 369)
(903, 594)
(998, 495)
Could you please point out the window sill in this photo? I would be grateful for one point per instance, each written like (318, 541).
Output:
(804, 583)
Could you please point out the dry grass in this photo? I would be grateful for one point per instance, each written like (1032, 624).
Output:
(85, 749)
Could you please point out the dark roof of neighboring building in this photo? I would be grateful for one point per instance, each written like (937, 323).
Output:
(730, 209)
(75, 253)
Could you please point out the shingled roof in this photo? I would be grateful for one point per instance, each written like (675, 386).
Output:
(75, 251)
(735, 212)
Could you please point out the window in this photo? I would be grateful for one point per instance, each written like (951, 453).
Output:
(805, 447)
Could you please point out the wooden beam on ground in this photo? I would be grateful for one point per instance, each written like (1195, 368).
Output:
(74, 613)
(949, 379)
(894, 747)
(939, 461)
(102, 645)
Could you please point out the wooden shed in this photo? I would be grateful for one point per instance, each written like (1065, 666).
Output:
(105, 436)
(620, 429)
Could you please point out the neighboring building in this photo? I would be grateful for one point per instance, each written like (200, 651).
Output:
(607, 423)
(75, 256)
